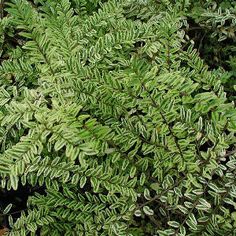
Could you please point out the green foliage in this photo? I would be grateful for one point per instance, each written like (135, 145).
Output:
(129, 132)
(218, 36)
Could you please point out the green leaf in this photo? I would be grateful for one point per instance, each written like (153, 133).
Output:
(137, 213)
(95, 184)
(148, 211)
(173, 224)
(14, 181)
(147, 194)
(132, 172)
(192, 222)
(155, 186)
(7, 209)
(233, 216)
(182, 230)
(59, 145)
(142, 179)
(204, 203)
(83, 181)
(183, 209)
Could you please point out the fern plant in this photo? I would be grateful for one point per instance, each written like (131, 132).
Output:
(128, 132)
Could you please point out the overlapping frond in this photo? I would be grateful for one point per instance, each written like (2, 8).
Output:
(117, 121)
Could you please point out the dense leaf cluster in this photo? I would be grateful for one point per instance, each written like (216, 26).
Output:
(108, 107)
